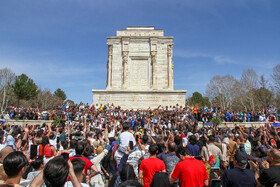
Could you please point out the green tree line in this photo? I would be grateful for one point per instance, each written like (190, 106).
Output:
(22, 91)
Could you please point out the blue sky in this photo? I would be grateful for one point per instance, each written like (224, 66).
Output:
(62, 43)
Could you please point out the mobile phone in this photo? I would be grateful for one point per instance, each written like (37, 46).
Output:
(57, 139)
(65, 156)
(145, 131)
(33, 151)
(131, 144)
(137, 137)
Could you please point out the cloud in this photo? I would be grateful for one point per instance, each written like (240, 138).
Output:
(218, 59)
(46, 69)
(223, 60)
(189, 54)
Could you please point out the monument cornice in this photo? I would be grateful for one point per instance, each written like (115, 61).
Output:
(140, 37)
(138, 91)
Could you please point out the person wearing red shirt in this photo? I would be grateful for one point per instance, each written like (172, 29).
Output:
(150, 166)
(190, 171)
(271, 118)
(89, 165)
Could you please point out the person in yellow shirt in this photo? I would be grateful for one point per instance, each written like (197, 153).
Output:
(101, 107)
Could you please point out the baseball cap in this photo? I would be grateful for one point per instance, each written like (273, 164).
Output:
(241, 158)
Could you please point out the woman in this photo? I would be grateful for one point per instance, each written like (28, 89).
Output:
(127, 173)
(34, 168)
(46, 149)
(193, 147)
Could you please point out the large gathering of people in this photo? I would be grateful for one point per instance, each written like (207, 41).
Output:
(109, 146)
(194, 112)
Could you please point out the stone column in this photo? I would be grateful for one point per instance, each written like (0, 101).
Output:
(170, 67)
(109, 66)
(153, 53)
(125, 60)
(153, 64)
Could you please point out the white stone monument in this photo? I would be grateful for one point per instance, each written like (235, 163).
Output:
(140, 71)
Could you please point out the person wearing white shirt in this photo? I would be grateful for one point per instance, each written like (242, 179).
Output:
(125, 137)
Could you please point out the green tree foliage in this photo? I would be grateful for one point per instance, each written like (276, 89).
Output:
(216, 121)
(24, 88)
(57, 120)
(198, 99)
(70, 101)
(60, 93)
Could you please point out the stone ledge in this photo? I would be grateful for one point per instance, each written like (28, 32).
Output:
(139, 99)
(29, 122)
(245, 124)
(139, 91)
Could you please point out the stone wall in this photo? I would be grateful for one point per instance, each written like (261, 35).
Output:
(29, 122)
(245, 124)
(224, 124)
(139, 99)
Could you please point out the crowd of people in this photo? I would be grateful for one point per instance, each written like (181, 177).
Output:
(108, 146)
(194, 112)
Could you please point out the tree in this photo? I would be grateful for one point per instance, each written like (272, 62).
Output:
(197, 98)
(276, 77)
(6, 79)
(249, 83)
(45, 99)
(263, 82)
(71, 102)
(222, 90)
(60, 93)
(24, 88)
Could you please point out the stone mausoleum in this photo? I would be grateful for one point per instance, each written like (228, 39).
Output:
(140, 70)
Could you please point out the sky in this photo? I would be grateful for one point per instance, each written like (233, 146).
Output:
(62, 43)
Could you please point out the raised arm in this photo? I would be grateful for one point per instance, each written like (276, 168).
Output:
(26, 132)
(152, 139)
(49, 129)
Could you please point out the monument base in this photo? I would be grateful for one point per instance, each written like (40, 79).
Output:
(132, 99)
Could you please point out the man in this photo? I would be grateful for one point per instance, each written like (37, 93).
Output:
(133, 158)
(215, 158)
(11, 139)
(3, 153)
(14, 164)
(269, 176)
(125, 137)
(169, 157)
(239, 175)
(78, 166)
(79, 151)
(149, 166)
(55, 173)
(232, 150)
(247, 144)
(191, 172)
